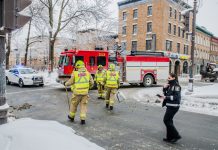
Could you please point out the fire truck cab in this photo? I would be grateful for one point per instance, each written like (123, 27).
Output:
(91, 58)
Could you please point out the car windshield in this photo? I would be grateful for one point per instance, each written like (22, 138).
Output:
(26, 71)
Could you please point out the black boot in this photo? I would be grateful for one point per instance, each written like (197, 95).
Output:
(70, 118)
(111, 107)
(83, 122)
(107, 105)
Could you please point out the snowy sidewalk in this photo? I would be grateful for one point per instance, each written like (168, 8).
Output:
(203, 100)
(29, 134)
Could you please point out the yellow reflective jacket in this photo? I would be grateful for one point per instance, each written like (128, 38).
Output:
(112, 79)
(81, 85)
(99, 76)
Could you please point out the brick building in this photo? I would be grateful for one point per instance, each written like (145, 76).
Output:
(202, 48)
(156, 25)
(214, 50)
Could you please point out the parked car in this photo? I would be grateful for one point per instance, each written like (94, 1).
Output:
(24, 76)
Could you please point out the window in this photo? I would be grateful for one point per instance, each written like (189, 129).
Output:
(61, 60)
(92, 61)
(149, 27)
(183, 33)
(77, 58)
(135, 28)
(168, 45)
(134, 45)
(66, 61)
(178, 48)
(175, 14)
(171, 11)
(186, 49)
(149, 10)
(174, 29)
(135, 13)
(179, 31)
(123, 46)
(148, 44)
(124, 30)
(185, 67)
(169, 28)
(124, 16)
(101, 60)
(180, 16)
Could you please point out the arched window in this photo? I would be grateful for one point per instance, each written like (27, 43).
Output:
(185, 67)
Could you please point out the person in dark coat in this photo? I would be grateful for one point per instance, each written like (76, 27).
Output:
(171, 99)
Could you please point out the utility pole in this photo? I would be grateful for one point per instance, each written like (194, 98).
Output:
(191, 80)
(10, 19)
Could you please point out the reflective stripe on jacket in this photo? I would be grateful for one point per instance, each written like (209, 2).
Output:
(112, 79)
(81, 86)
(99, 76)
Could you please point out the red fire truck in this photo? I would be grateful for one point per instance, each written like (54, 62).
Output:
(137, 68)
(91, 58)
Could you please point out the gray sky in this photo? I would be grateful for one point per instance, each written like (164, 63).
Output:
(207, 15)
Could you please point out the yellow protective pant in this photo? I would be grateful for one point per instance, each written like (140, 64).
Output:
(101, 90)
(110, 96)
(75, 101)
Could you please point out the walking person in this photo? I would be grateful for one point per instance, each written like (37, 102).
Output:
(112, 83)
(171, 99)
(80, 81)
(99, 79)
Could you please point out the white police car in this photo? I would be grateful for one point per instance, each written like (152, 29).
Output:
(23, 76)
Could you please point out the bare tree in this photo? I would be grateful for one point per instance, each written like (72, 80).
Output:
(8, 47)
(60, 14)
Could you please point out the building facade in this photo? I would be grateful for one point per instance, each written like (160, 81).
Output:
(156, 25)
(202, 48)
(214, 50)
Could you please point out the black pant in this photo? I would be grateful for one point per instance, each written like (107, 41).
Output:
(168, 121)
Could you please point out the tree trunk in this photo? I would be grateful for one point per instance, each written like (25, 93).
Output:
(3, 110)
(8, 51)
(52, 55)
(27, 43)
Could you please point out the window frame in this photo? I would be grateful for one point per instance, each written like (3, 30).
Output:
(149, 27)
(146, 46)
(134, 29)
(134, 46)
(150, 11)
(170, 43)
(135, 13)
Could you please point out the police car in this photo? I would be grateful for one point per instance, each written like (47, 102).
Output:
(24, 76)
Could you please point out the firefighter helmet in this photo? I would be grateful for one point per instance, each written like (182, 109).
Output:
(112, 67)
(80, 64)
(100, 66)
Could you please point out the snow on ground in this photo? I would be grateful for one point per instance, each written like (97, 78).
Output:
(203, 100)
(50, 79)
(29, 134)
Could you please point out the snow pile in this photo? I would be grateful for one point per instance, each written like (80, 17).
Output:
(28, 134)
(50, 79)
(203, 100)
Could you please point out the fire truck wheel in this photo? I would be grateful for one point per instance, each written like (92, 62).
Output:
(148, 81)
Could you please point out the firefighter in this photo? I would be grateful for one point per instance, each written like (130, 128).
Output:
(99, 79)
(171, 99)
(81, 81)
(111, 84)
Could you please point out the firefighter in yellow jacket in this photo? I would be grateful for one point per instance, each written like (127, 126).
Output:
(99, 79)
(111, 83)
(81, 81)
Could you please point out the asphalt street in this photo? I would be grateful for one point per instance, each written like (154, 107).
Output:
(131, 126)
